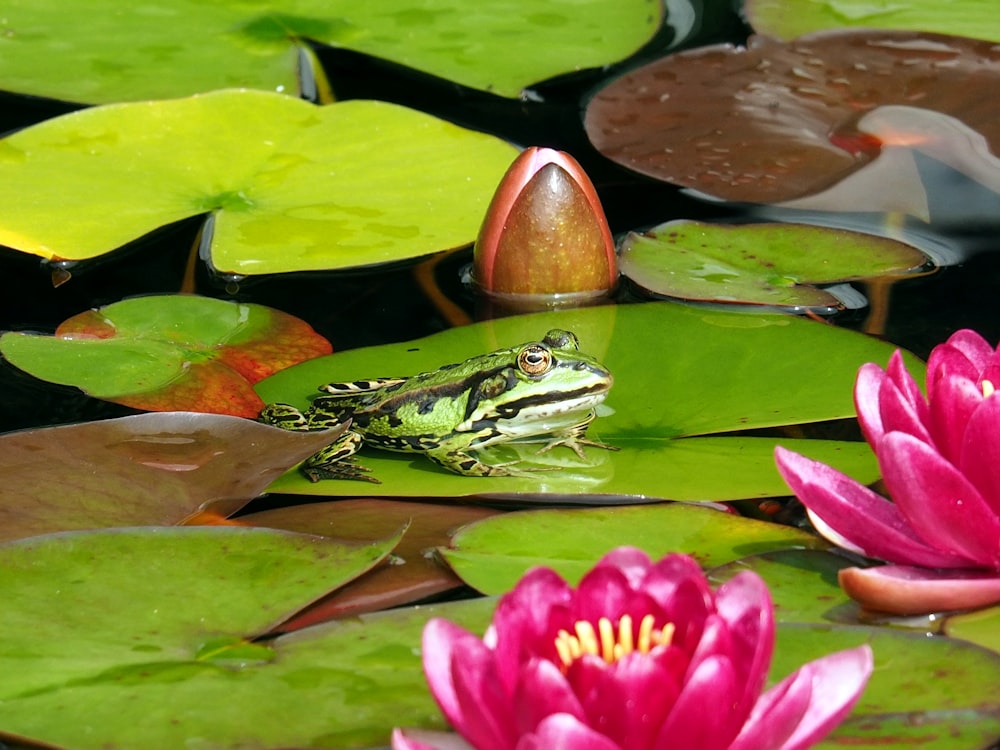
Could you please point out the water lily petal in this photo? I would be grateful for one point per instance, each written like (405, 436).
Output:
(955, 399)
(631, 700)
(866, 389)
(461, 672)
(682, 596)
(543, 690)
(850, 511)
(690, 724)
(564, 732)
(526, 619)
(423, 739)
(901, 405)
(965, 354)
(826, 688)
(938, 502)
(633, 563)
(605, 592)
(744, 602)
(980, 451)
(906, 590)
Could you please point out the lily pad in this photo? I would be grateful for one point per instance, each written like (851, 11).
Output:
(713, 372)
(148, 469)
(785, 19)
(169, 353)
(290, 186)
(414, 574)
(167, 48)
(491, 555)
(762, 264)
(776, 121)
(169, 616)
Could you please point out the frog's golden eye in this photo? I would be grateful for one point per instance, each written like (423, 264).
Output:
(534, 359)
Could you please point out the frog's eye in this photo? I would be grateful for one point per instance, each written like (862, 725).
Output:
(534, 359)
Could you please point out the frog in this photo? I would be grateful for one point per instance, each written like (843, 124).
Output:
(543, 391)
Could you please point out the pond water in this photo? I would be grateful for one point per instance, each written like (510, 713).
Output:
(383, 305)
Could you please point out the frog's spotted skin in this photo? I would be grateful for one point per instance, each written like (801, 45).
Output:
(540, 388)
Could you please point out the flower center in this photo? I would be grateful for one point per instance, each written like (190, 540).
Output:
(988, 389)
(609, 644)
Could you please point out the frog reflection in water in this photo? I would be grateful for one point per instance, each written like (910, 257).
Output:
(540, 388)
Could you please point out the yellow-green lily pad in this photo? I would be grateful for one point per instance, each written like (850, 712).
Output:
(762, 264)
(290, 186)
(100, 51)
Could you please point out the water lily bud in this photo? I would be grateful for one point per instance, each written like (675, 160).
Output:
(545, 232)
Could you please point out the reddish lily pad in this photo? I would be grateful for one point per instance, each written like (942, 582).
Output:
(169, 353)
(148, 469)
(763, 264)
(414, 574)
(777, 121)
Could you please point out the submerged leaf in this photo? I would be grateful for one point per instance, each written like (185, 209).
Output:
(777, 121)
(149, 469)
(763, 264)
(169, 353)
(290, 186)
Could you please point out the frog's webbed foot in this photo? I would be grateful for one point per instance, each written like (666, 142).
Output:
(575, 438)
(467, 465)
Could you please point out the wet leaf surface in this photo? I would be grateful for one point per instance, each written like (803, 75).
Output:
(169, 615)
(144, 470)
(169, 352)
(187, 46)
(414, 573)
(290, 186)
(714, 372)
(777, 121)
(491, 555)
(762, 264)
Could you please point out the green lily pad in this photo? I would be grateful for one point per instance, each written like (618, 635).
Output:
(492, 554)
(168, 617)
(803, 584)
(414, 574)
(981, 627)
(762, 264)
(169, 353)
(144, 470)
(923, 693)
(710, 372)
(290, 186)
(167, 48)
(786, 19)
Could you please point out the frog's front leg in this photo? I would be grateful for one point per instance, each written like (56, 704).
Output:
(335, 461)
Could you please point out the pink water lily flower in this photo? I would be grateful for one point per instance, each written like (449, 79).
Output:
(939, 458)
(639, 655)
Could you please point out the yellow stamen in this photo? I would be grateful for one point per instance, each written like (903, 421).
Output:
(988, 389)
(609, 644)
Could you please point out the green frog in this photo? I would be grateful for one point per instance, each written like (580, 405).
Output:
(542, 388)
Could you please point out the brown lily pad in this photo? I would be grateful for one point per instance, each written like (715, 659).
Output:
(149, 469)
(415, 574)
(776, 121)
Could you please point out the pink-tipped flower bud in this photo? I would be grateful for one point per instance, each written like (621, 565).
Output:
(545, 232)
